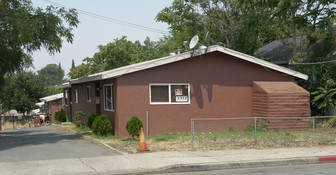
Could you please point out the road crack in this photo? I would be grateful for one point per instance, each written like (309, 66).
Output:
(88, 166)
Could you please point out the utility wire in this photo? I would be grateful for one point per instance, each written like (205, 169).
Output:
(322, 62)
(108, 19)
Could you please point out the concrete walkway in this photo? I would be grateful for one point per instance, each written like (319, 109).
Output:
(165, 162)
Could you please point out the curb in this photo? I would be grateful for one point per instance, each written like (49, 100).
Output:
(92, 139)
(233, 165)
(327, 159)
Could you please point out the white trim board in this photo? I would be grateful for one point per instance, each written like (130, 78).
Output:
(187, 55)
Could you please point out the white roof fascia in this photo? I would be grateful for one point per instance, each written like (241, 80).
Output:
(170, 59)
(39, 104)
(52, 97)
(263, 63)
(64, 85)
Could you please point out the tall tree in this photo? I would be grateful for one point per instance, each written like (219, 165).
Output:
(25, 29)
(241, 25)
(120, 52)
(60, 73)
(52, 74)
(21, 91)
(73, 64)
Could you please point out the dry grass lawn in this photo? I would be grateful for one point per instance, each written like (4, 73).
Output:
(218, 140)
(9, 125)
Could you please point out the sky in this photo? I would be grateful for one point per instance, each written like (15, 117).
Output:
(92, 32)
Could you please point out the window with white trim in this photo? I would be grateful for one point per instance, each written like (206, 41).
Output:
(108, 97)
(169, 93)
(76, 96)
(88, 93)
(66, 97)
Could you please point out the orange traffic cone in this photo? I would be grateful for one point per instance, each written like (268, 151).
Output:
(142, 144)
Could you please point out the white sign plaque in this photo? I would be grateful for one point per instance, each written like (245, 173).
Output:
(181, 98)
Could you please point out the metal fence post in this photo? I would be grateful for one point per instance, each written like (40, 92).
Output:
(147, 123)
(255, 130)
(314, 130)
(192, 134)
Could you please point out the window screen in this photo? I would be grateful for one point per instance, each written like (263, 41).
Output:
(159, 93)
(108, 97)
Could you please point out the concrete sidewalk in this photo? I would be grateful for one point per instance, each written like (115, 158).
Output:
(165, 162)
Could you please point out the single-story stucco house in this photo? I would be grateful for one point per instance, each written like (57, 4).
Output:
(51, 104)
(213, 82)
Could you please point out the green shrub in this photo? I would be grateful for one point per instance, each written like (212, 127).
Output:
(91, 119)
(133, 126)
(332, 122)
(101, 126)
(60, 115)
(77, 119)
(56, 116)
(261, 126)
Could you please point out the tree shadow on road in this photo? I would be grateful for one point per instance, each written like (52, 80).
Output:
(10, 139)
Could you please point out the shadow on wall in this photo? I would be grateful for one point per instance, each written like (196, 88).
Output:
(198, 93)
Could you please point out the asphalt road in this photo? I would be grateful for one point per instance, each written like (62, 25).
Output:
(308, 169)
(47, 142)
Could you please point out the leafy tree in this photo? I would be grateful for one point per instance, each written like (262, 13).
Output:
(237, 24)
(80, 71)
(25, 29)
(120, 52)
(21, 91)
(50, 90)
(325, 97)
(52, 74)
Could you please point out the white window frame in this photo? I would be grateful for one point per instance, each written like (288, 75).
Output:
(169, 93)
(66, 97)
(76, 95)
(88, 93)
(112, 101)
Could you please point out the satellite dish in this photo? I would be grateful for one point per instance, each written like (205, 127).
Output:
(13, 112)
(206, 41)
(193, 42)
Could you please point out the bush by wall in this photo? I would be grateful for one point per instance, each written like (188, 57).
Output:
(332, 122)
(60, 115)
(133, 126)
(91, 119)
(101, 126)
(56, 116)
(77, 119)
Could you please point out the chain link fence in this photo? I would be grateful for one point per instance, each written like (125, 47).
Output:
(262, 132)
(12, 122)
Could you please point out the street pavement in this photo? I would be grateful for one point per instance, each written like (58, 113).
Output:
(45, 143)
(167, 162)
(307, 169)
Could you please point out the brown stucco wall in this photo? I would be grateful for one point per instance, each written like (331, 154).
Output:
(220, 86)
(110, 114)
(55, 106)
(88, 107)
(96, 105)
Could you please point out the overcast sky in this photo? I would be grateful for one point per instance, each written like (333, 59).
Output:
(92, 32)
